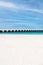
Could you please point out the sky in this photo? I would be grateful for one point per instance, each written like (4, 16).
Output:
(21, 14)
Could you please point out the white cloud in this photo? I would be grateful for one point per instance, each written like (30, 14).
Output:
(36, 10)
(19, 7)
(7, 4)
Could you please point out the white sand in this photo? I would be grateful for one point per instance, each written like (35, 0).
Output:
(21, 49)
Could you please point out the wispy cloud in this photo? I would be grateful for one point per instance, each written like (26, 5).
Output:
(7, 4)
(19, 7)
(35, 10)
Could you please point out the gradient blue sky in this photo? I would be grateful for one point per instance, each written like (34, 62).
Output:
(21, 14)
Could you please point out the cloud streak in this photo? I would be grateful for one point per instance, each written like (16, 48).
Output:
(19, 7)
(7, 4)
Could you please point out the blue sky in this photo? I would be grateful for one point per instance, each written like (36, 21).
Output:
(21, 14)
